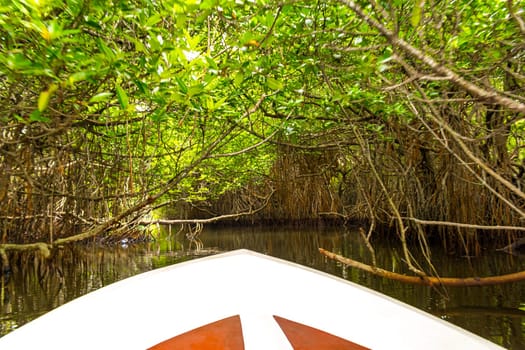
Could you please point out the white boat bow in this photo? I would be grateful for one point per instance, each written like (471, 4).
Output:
(271, 303)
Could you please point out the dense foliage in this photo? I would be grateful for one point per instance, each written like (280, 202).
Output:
(405, 113)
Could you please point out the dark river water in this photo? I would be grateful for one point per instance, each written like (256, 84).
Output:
(497, 313)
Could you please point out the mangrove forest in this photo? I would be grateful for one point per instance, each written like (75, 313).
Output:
(405, 118)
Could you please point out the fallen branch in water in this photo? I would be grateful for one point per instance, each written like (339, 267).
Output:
(427, 280)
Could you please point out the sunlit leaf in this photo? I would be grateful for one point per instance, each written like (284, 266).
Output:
(101, 97)
(238, 78)
(207, 4)
(77, 77)
(156, 18)
(195, 89)
(274, 84)
(209, 103)
(43, 98)
(417, 12)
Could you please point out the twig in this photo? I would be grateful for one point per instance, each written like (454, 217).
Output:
(272, 26)
(208, 220)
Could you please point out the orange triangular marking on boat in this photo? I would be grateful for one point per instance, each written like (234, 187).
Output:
(303, 337)
(225, 334)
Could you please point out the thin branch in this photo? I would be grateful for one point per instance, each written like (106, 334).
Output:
(462, 225)
(516, 17)
(209, 220)
(279, 9)
(354, 48)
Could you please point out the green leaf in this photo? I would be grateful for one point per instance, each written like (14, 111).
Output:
(93, 23)
(122, 97)
(207, 4)
(101, 97)
(153, 20)
(417, 12)
(238, 79)
(210, 105)
(20, 119)
(143, 87)
(37, 116)
(78, 76)
(211, 63)
(221, 102)
(183, 87)
(18, 62)
(105, 50)
(274, 84)
(43, 99)
(195, 89)
(192, 41)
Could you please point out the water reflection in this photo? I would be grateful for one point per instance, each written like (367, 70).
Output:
(494, 312)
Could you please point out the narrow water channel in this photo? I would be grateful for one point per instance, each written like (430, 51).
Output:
(495, 312)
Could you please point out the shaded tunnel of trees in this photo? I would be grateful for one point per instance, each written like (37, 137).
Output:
(404, 116)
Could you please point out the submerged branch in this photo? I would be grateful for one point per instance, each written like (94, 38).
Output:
(425, 280)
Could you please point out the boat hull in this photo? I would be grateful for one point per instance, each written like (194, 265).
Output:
(266, 300)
